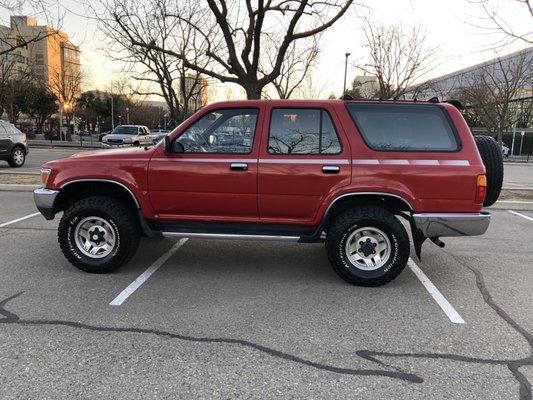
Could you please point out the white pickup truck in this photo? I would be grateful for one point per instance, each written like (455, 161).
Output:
(128, 135)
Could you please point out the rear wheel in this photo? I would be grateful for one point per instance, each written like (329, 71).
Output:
(490, 153)
(17, 157)
(98, 234)
(367, 246)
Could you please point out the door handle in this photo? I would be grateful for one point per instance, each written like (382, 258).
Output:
(331, 169)
(238, 166)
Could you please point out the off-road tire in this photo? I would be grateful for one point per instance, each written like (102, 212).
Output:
(347, 222)
(11, 160)
(490, 153)
(118, 215)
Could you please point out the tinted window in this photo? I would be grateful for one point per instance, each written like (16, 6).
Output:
(221, 131)
(402, 127)
(302, 131)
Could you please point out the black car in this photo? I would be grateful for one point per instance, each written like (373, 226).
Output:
(13, 144)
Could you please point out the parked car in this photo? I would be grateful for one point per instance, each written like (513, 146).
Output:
(128, 135)
(13, 145)
(342, 172)
(505, 150)
(158, 135)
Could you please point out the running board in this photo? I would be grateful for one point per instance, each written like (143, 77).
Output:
(230, 236)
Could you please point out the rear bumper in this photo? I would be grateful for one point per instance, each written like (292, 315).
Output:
(44, 201)
(452, 224)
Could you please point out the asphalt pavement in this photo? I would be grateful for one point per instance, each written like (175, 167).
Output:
(225, 319)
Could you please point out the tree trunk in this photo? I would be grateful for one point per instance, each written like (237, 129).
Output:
(253, 91)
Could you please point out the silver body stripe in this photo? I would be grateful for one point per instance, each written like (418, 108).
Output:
(329, 161)
(455, 163)
(299, 161)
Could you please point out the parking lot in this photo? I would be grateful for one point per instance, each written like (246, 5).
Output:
(204, 319)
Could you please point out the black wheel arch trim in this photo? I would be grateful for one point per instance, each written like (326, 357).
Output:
(316, 235)
(137, 204)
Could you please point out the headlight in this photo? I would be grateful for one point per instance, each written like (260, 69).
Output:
(45, 174)
(126, 140)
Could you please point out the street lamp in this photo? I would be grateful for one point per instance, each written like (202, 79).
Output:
(345, 72)
(128, 115)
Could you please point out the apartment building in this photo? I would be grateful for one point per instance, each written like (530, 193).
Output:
(52, 59)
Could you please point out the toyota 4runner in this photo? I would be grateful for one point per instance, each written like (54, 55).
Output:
(343, 172)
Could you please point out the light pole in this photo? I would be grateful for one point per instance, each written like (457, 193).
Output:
(345, 72)
(128, 115)
(521, 141)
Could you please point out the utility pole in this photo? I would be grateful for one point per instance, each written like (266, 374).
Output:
(345, 72)
(112, 116)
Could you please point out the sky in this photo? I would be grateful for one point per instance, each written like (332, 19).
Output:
(450, 27)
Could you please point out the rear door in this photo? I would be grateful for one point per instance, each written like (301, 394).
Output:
(303, 158)
(211, 172)
(5, 140)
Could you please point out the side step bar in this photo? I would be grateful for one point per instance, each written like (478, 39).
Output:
(230, 236)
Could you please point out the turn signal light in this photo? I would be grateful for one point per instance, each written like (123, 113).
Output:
(45, 174)
(481, 189)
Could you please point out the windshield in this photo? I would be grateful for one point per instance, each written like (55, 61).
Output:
(125, 130)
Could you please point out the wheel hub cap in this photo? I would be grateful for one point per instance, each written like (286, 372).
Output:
(95, 237)
(368, 248)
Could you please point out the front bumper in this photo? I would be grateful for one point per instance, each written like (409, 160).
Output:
(44, 200)
(452, 224)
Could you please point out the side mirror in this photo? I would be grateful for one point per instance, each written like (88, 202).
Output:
(166, 142)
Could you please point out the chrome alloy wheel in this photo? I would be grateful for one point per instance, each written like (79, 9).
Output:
(18, 156)
(95, 237)
(368, 248)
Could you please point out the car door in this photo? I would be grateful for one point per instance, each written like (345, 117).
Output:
(208, 173)
(5, 140)
(305, 157)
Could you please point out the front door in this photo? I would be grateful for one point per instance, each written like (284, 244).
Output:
(211, 171)
(303, 160)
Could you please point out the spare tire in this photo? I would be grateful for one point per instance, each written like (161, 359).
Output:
(492, 158)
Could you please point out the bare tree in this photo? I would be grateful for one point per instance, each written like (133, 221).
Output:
(67, 88)
(500, 94)
(164, 74)
(492, 19)
(301, 57)
(233, 35)
(396, 58)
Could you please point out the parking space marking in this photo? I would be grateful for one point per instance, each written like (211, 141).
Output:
(444, 304)
(521, 215)
(121, 298)
(19, 219)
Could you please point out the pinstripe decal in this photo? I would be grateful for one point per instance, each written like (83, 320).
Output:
(373, 161)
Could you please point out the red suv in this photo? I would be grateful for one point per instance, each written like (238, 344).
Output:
(343, 172)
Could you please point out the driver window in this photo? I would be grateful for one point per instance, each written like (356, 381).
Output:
(221, 131)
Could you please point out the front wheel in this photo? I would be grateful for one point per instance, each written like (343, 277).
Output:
(98, 234)
(367, 246)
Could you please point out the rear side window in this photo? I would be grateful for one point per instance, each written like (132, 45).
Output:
(302, 131)
(402, 127)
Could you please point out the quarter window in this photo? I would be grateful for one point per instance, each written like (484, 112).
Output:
(302, 131)
(220, 131)
(404, 127)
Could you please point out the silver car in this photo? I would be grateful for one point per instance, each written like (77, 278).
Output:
(13, 145)
(128, 135)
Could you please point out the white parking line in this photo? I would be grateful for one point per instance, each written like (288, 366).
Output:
(448, 309)
(121, 298)
(520, 215)
(19, 219)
